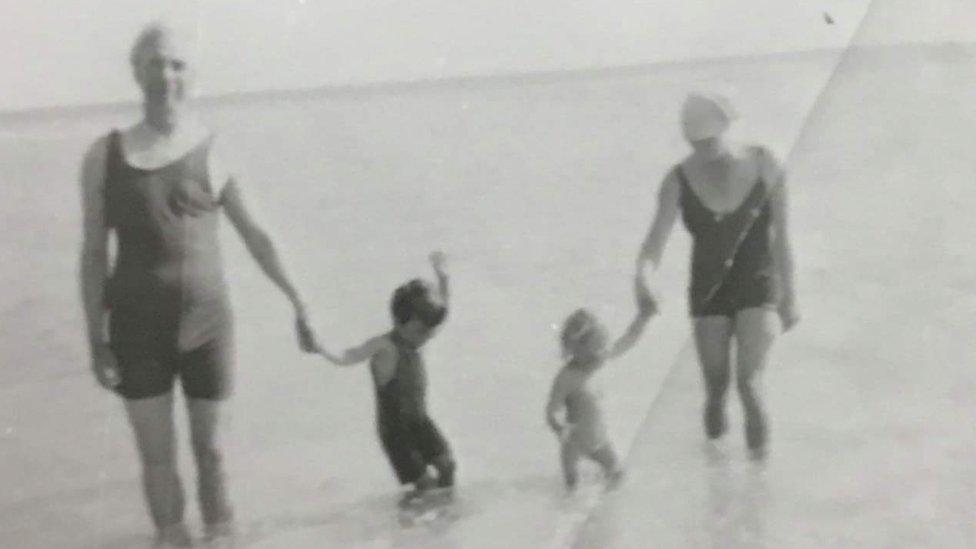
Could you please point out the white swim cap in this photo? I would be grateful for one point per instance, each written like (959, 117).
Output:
(705, 115)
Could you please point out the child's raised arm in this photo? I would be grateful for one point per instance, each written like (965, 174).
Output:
(438, 261)
(645, 309)
(354, 355)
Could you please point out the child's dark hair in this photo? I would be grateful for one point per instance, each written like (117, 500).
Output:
(415, 299)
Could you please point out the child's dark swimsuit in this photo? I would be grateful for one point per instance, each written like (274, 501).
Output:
(169, 314)
(409, 437)
(731, 267)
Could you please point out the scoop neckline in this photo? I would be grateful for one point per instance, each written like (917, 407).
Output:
(177, 160)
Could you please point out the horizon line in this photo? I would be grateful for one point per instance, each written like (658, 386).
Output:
(448, 82)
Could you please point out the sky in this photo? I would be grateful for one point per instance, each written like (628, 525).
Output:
(74, 52)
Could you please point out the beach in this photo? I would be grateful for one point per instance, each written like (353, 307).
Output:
(540, 189)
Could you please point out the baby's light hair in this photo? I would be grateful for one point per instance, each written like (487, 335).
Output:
(576, 330)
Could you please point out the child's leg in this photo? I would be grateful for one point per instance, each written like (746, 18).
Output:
(435, 451)
(570, 454)
(407, 464)
(607, 459)
(446, 468)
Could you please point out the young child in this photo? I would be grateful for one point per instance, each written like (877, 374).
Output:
(584, 345)
(409, 437)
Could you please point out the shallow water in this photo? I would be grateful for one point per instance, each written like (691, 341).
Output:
(540, 191)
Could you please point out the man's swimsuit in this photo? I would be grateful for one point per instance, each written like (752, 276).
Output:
(169, 313)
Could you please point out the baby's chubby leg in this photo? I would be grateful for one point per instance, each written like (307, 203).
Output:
(569, 457)
(607, 458)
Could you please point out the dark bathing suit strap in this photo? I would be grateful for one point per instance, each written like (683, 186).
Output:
(113, 152)
(113, 149)
(682, 178)
(726, 263)
(687, 188)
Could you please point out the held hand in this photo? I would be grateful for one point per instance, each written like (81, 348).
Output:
(329, 357)
(438, 261)
(307, 341)
(105, 367)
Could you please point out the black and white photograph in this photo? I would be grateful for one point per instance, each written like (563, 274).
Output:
(455, 274)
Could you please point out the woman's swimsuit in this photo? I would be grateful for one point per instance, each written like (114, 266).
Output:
(169, 313)
(410, 438)
(731, 267)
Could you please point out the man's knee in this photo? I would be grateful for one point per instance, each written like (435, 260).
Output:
(208, 453)
(748, 387)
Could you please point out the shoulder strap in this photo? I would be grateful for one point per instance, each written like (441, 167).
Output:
(113, 150)
(682, 178)
(687, 198)
(113, 155)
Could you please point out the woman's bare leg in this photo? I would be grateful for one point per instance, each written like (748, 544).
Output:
(755, 332)
(712, 340)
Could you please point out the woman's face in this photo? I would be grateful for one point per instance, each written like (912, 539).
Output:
(709, 148)
(164, 72)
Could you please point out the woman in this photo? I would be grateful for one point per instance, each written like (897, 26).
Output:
(733, 202)
(163, 313)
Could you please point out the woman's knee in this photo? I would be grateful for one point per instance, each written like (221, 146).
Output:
(713, 343)
(717, 383)
(755, 335)
(749, 387)
(756, 330)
